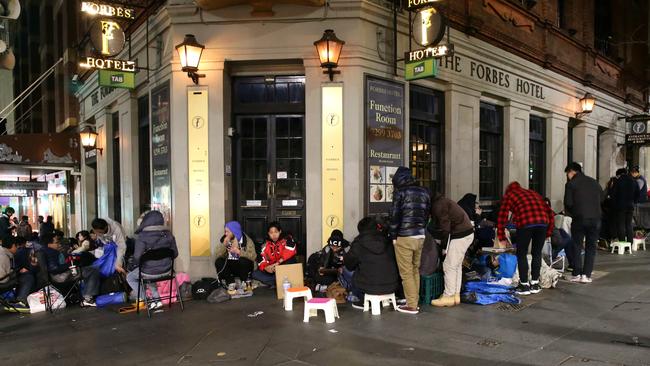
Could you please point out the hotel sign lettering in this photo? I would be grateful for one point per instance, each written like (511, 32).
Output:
(414, 5)
(107, 10)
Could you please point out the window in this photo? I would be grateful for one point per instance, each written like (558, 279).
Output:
(569, 149)
(426, 131)
(491, 152)
(537, 158)
(561, 14)
(603, 27)
(117, 192)
(144, 156)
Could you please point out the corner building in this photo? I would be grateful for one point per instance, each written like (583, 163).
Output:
(496, 112)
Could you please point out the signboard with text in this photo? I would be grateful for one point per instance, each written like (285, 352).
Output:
(384, 115)
(332, 159)
(420, 69)
(637, 138)
(161, 180)
(199, 171)
(117, 79)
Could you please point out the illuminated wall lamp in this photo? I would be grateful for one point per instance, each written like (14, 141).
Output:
(88, 138)
(190, 52)
(587, 104)
(329, 50)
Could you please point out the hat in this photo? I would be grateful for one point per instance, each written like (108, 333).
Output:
(336, 238)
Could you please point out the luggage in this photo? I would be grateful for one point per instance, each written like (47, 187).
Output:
(110, 299)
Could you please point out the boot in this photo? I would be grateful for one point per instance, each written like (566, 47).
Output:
(457, 299)
(443, 300)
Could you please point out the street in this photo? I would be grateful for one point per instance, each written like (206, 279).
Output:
(605, 323)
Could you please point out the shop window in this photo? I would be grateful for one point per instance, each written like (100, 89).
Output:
(144, 154)
(537, 155)
(426, 136)
(491, 152)
(117, 184)
(603, 28)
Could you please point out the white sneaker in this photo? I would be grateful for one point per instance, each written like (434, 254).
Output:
(586, 279)
(155, 305)
(577, 279)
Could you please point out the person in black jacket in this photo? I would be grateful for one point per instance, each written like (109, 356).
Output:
(409, 217)
(372, 259)
(582, 201)
(331, 260)
(7, 225)
(643, 184)
(625, 194)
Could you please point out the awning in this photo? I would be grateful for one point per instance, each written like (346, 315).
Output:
(45, 151)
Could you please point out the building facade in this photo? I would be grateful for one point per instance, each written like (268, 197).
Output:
(249, 141)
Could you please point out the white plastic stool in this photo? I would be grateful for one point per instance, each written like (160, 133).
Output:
(621, 246)
(321, 303)
(636, 243)
(294, 293)
(377, 301)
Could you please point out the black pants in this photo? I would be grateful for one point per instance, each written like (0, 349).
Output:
(625, 231)
(589, 231)
(524, 236)
(229, 269)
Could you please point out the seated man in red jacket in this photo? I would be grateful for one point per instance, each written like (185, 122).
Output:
(278, 249)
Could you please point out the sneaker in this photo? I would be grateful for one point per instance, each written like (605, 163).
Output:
(88, 302)
(523, 289)
(586, 279)
(358, 305)
(576, 279)
(407, 310)
(155, 305)
(535, 288)
(19, 307)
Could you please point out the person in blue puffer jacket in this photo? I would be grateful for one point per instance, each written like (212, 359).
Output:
(409, 217)
(151, 234)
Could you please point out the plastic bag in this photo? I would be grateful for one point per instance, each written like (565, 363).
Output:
(217, 296)
(110, 299)
(487, 288)
(36, 301)
(106, 263)
(489, 299)
(507, 266)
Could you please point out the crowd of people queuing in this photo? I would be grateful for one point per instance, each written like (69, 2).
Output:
(385, 257)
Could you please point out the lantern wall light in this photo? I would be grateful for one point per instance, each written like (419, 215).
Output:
(88, 138)
(586, 104)
(190, 52)
(329, 50)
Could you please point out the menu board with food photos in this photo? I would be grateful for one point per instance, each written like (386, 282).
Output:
(384, 101)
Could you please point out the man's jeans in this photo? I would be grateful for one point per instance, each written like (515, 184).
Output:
(133, 280)
(26, 285)
(589, 231)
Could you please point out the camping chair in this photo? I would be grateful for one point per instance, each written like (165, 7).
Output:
(44, 279)
(155, 255)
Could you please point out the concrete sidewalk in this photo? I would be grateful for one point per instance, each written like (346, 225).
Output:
(604, 323)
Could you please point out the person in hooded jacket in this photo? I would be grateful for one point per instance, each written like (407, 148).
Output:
(279, 249)
(534, 220)
(408, 220)
(151, 234)
(456, 233)
(235, 255)
(472, 209)
(372, 258)
(625, 194)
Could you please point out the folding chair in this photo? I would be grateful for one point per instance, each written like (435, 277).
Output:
(156, 255)
(45, 279)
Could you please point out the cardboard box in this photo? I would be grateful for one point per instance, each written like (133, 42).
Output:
(293, 272)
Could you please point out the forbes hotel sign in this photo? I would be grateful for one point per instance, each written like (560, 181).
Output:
(107, 36)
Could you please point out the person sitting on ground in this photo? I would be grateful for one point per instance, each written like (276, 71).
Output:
(108, 231)
(26, 266)
(331, 260)
(24, 228)
(456, 234)
(83, 243)
(60, 272)
(151, 234)
(372, 259)
(279, 249)
(8, 275)
(235, 254)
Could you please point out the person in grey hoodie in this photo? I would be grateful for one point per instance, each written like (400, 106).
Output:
(151, 234)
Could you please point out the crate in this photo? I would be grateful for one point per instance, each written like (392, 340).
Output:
(431, 287)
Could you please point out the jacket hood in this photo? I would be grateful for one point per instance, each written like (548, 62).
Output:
(514, 186)
(150, 219)
(374, 241)
(403, 177)
(468, 200)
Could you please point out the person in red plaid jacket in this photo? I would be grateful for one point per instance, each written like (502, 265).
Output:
(534, 220)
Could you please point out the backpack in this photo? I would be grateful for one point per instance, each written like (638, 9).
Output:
(202, 288)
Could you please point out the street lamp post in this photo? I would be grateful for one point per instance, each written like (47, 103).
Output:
(329, 50)
(190, 52)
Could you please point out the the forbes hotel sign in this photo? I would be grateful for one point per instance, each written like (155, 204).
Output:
(107, 36)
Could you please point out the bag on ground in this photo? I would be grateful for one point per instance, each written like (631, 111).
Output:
(202, 288)
(36, 301)
(110, 299)
(217, 296)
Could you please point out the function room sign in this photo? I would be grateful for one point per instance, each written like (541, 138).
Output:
(384, 112)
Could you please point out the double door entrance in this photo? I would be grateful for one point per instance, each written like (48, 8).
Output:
(269, 155)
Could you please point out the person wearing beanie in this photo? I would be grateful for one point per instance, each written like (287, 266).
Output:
(331, 259)
(235, 254)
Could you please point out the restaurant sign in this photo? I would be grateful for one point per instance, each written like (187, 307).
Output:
(384, 115)
(637, 138)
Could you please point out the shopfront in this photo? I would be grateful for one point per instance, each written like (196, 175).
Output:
(266, 136)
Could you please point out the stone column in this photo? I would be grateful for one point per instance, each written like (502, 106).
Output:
(104, 125)
(515, 143)
(584, 147)
(130, 172)
(462, 131)
(612, 155)
(557, 145)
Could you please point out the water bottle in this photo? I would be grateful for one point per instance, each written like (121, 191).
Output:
(286, 285)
